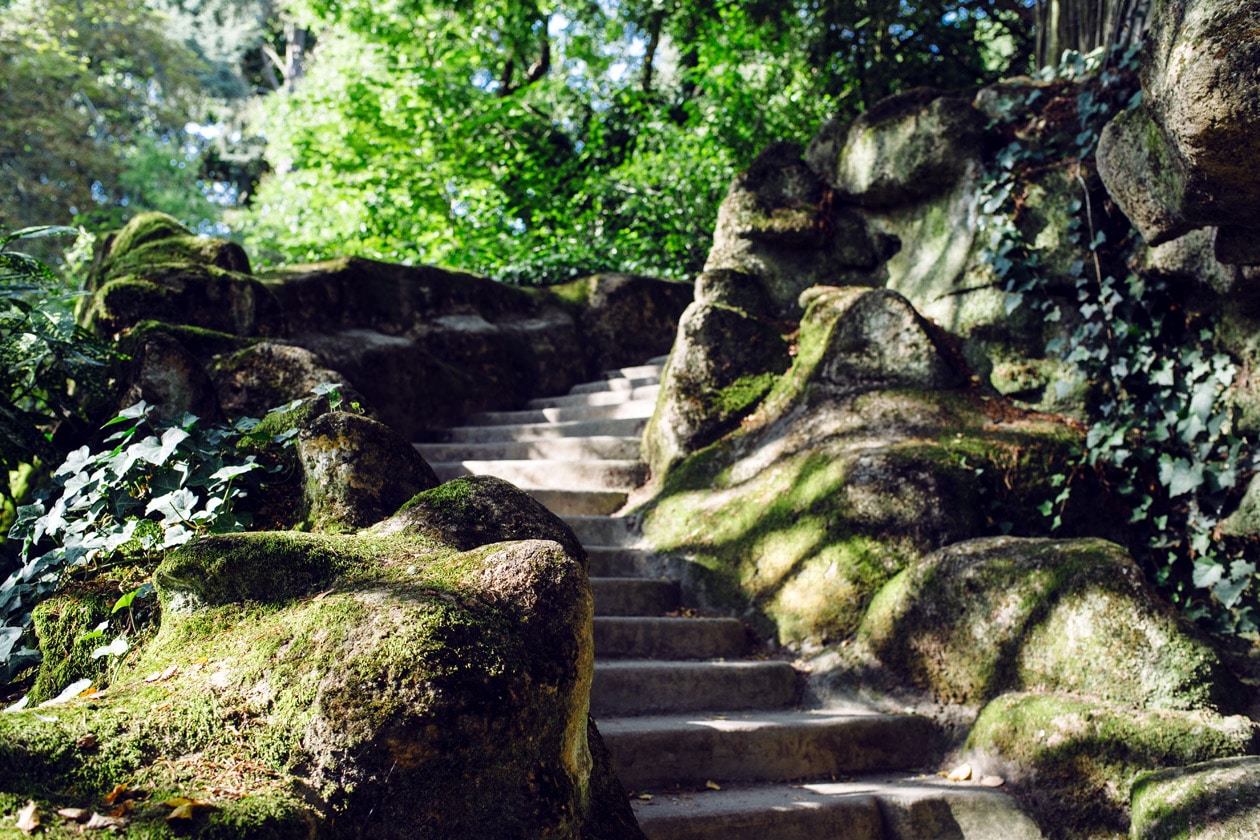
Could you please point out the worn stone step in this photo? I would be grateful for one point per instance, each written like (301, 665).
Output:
(881, 807)
(616, 427)
(600, 533)
(579, 502)
(765, 746)
(619, 383)
(613, 397)
(567, 449)
(643, 371)
(623, 561)
(630, 408)
(650, 686)
(624, 596)
(640, 637)
(559, 475)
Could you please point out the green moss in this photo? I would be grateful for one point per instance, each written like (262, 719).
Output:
(1216, 800)
(127, 300)
(742, 394)
(145, 228)
(177, 250)
(60, 625)
(978, 619)
(1078, 758)
(201, 342)
(576, 293)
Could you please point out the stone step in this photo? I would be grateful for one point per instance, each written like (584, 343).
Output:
(618, 561)
(564, 449)
(615, 427)
(626, 596)
(599, 533)
(643, 371)
(614, 397)
(882, 807)
(640, 637)
(687, 750)
(559, 475)
(580, 502)
(651, 686)
(630, 408)
(619, 383)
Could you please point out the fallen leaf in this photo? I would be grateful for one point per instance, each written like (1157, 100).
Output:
(98, 822)
(87, 742)
(75, 814)
(961, 773)
(993, 781)
(28, 818)
(183, 812)
(122, 809)
(712, 785)
(119, 792)
(90, 691)
(645, 796)
(20, 705)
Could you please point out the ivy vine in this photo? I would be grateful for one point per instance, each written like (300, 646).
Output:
(1161, 431)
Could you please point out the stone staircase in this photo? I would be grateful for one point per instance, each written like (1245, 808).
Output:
(705, 730)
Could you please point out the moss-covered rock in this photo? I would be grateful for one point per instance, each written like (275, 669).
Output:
(1214, 800)
(980, 618)
(904, 148)
(1075, 759)
(163, 373)
(478, 510)
(356, 471)
(255, 379)
(774, 225)
(323, 686)
(64, 628)
(191, 294)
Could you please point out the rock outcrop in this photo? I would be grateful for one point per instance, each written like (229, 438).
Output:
(429, 679)
(419, 347)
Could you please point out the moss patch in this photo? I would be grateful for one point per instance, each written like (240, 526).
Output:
(1215, 800)
(1076, 759)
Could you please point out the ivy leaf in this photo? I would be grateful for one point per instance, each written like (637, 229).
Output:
(1180, 476)
(115, 648)
(230, 472)
(8, 638)
(176, 506)
(177, 535)
(1230, 590)
(75, 461)
(1207, 573)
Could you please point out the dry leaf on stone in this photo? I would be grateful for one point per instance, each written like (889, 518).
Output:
(712, 785)
(28, 818)
(183, 808)
(645, 796)
(73, 814)
(87, 742)
(961, 773)
(993, 781)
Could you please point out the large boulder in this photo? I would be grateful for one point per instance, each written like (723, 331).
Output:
(904, 149)
(256, 379)
(858, 459)
(155, 269)
(725, 357)
(341, 686)
(1186, 158)
(356, 471)
(1075, 760)
(777, 224)
(979, 618)
(1212, 800)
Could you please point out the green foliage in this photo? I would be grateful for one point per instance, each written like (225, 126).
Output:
(42, 353)
(1160, 426)
(538, 142)
(156, 486)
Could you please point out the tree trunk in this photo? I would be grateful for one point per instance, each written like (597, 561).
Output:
(1085, 25)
